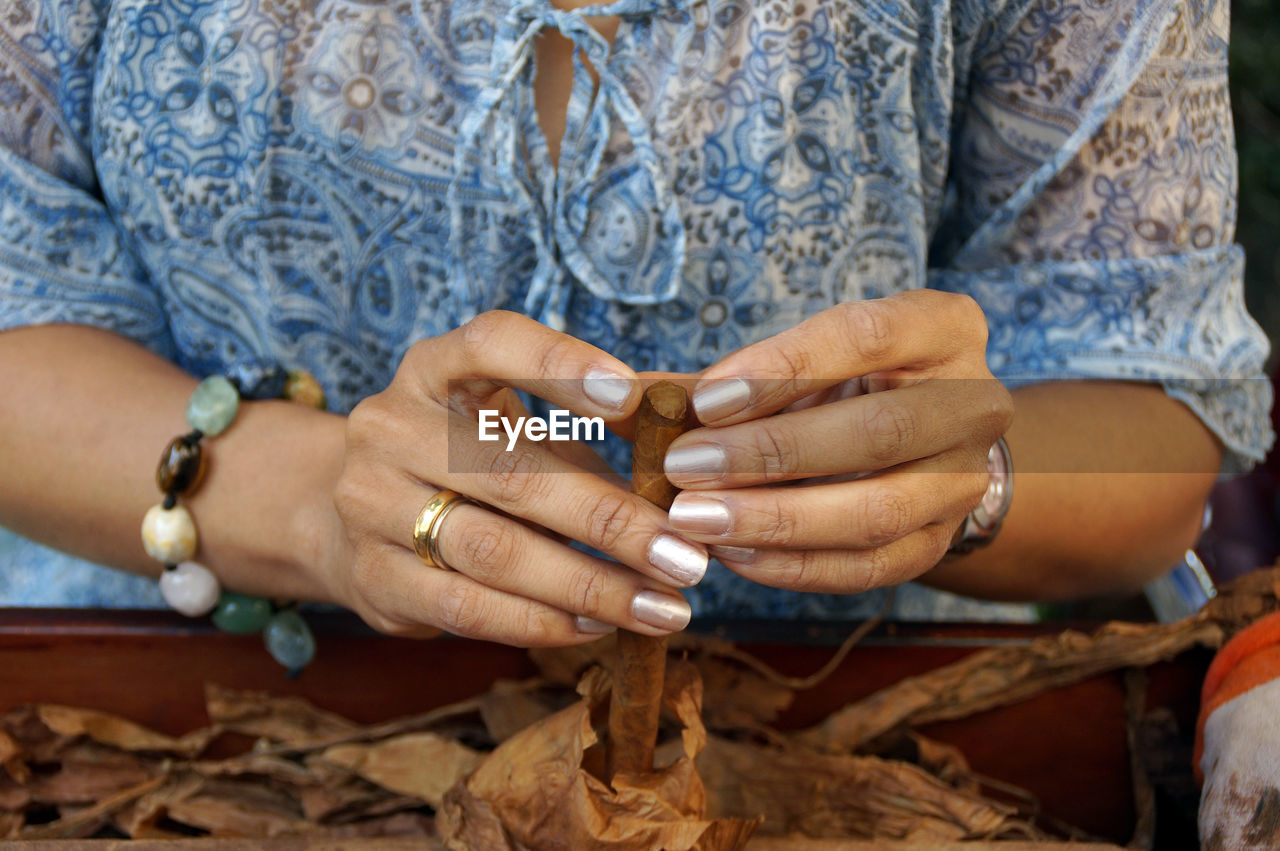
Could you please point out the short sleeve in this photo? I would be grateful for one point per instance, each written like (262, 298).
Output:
(1092, 208)
(63, 258)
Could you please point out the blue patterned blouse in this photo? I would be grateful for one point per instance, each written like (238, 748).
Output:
(324, 182)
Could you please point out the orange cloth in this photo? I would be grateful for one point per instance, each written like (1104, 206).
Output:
(1248, 660)
(1238, 742)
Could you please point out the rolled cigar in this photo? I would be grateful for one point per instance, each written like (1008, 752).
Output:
(640, 668)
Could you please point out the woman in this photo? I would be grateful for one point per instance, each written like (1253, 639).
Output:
(425, 204)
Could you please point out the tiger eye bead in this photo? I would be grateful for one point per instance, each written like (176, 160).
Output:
(182, 467)
(303, 388)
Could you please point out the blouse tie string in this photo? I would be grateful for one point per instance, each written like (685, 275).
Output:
(639, 266)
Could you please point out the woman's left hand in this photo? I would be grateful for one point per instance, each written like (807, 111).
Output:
(803, 479)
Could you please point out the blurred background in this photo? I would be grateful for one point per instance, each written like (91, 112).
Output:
(1255, 97)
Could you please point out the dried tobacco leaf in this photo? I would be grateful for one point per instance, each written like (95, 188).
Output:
(83, 822)
(139, 818)
(424, 765)
(397, 824)
(288, 720)
(39, 744)
(533, 792)
(118, 732)
(1004, 675)
(89, 772)
(240, 808)
(844, 796)
(11, 825)
(13, 795)
(508, 707)
(329, 801)
(735, 695)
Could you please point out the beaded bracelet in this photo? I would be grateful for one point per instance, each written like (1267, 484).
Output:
(169, 531)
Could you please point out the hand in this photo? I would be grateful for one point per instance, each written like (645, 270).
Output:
(892, 473)
(513, 579)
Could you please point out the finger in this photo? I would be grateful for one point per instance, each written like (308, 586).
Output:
(532, 483)
(501, 554)
(403, 596)
(575, 452)
(503, 349)
(842, 571)
(869, 432)
(862, 514)
(916, 331)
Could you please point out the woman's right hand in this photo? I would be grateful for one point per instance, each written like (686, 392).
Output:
(513, 578)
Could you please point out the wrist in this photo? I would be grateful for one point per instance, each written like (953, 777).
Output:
(266, 506)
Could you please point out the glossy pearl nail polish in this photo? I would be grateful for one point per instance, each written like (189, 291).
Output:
(720, 398)
(661, 611)
(684, 563)
(694, 513)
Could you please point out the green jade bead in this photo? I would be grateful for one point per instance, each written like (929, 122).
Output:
(289, 640)
(240, 614)
(213, 405)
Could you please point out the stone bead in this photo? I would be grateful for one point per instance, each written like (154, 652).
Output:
(240, 614)
(303, 388)
(258, 378)
(213, 405)
(181, 468)
(289, 640)
(190, 588)
(169, 535)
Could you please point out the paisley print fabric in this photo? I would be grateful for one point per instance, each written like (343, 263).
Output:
(322, 182)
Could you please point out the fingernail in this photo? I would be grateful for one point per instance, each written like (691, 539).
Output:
(606, 388)
(591, 626)
(693, 513)
(661, 611)
(720, 398)
(680, 560)
(738, 555)
(708, 460)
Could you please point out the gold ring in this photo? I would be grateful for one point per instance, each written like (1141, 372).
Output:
(426, 529)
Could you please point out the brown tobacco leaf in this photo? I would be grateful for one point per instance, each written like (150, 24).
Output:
(139, 819)
(533, 792)
(508, 707)
(738, 697)
(11, 825)
(90, 772)
(734, 695)
(397, 824)
(39, 744)
(288, 720)
(13, 796)
(828, 796)
(13, 759)
(564, 666)
(424, 765)
(240, 808)
(1003, 675)
(83, 822)
(260, 764)
(117, 732)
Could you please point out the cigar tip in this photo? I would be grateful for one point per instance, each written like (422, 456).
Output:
(668, 400)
